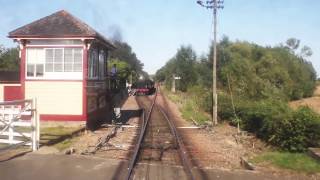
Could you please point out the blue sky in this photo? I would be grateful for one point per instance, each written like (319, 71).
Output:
(155, 29)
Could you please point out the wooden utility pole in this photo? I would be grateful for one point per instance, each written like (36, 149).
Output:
(215, 5)
(214, 68)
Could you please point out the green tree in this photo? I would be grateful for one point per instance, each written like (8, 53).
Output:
(182, 65)
(185, 61)
(293, 44)
(306, 52)
(9, 59)
(130, 67)
(262, 81)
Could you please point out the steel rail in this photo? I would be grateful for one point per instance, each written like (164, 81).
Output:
(182, 149)
(141, 137)
(186, 163)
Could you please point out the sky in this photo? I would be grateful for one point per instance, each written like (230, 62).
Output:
(155, 29)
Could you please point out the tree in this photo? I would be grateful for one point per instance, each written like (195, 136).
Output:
(267, 72)
(182, 65)
(129, 64)
(255, 72)
(293, 44)
(123, 68)
(9, 59)
(185, 61)
(306, 52)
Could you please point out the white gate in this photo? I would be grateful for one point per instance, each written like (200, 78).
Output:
(19, 124)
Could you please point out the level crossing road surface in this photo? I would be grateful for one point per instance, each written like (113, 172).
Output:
(76, 167)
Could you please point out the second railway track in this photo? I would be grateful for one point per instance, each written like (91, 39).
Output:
(159, 142)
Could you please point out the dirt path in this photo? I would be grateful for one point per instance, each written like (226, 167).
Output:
(120, 146)
(221, 148)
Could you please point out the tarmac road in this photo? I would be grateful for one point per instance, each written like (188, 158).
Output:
(74, 167)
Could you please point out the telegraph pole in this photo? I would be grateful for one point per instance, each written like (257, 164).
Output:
(214, 5)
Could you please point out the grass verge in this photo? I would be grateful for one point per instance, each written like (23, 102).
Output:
(60, 137)
(294, 161)
(188, 107)
(67, 143)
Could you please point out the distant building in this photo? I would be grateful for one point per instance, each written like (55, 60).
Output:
(63, 66)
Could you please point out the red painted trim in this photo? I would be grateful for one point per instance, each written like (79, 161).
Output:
(54, 46)
(26, 117)
(23, 71)
(84, 82)
(54, 80)
(12, 93)
(59, 117)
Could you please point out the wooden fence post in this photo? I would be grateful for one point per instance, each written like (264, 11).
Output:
(10, 125)
(38, 122)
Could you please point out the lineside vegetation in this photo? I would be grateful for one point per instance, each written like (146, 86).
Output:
(261, 80)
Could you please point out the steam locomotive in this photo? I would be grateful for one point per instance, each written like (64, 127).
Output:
(143, 87)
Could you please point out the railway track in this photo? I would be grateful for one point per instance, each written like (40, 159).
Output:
(159, 141)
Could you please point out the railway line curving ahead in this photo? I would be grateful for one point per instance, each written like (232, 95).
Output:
(159, 140)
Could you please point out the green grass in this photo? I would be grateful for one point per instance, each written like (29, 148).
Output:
(294, 161)
(177, 97)
(190, 112)
(57, 130)
(65, 144)
(2, 145)
(59, 136)
(189, 109)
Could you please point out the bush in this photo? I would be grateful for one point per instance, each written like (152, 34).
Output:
(225, 111)
(299, 131)
(271, 120)
(264, 117)
(277, 124)
(190, 111)
(290, 134)
(311, 121)
(202, 97)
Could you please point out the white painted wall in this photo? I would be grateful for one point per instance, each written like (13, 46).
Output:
(55, 97)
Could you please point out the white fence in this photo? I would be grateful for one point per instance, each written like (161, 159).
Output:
(19, 124)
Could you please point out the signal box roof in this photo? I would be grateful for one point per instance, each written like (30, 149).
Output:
(58, 25)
